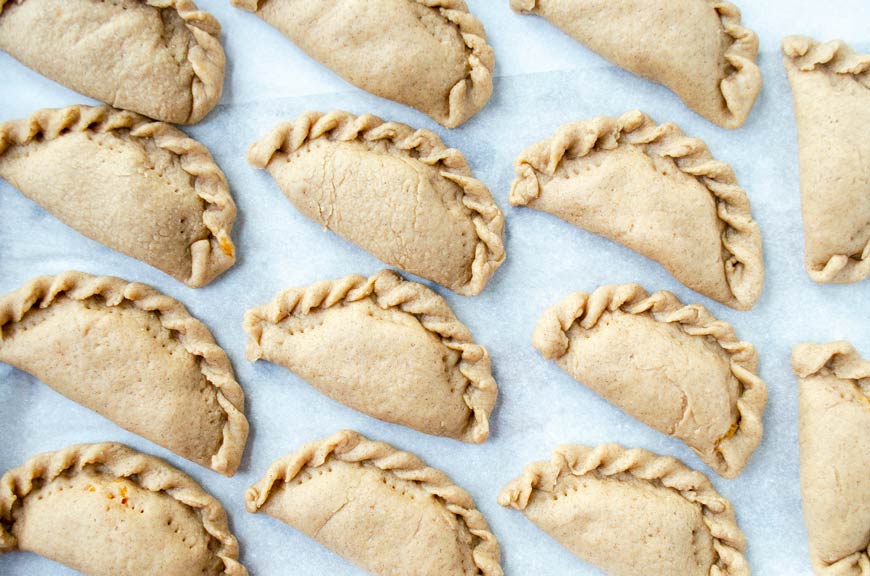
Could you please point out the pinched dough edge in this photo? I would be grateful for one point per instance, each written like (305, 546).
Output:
(833, 58)
(469, 95)
(419, 145)
(211, 256)
(43, 291)
(207, 58)
(118, 461)
(735, 448)
(352, 447)
(612, 460)
(741, 239)
(740, 88)
(389, 291)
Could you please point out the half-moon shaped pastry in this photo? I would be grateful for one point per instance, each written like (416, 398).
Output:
(161, 58)
(380, 508)
(655, 190)
(675, 368)
(394, 191)
(107, 510)
(133, 355)
(834, 416)
(386, 347)
(831, 89)
(631, 512)
(428, 54)
(697, 48)
(139, 187)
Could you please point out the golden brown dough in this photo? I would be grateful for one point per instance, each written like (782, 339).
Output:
(673, 367)
(831, 89)
(140, 187)
(380, 508)
(384, 346)
(107, 510)
(133, 355)
(161, 58)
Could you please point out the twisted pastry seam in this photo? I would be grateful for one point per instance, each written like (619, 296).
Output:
(352, 447)
(389, 291)
(421, 145)
(209, 257)
(611, 460)
(551, 339)
(41, 292)
(118, 461)
(741, 86)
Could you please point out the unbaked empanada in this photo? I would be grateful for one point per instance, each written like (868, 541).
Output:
(139, 187)
(697, 48)
(631, 512)
(384, 346)
(831, 89)
(429, 54)
(675, 368)
(380, 508)
(161, 58)
(397, 192)
(133, 355)
(834, 416)
(654, 190)
(107, 510)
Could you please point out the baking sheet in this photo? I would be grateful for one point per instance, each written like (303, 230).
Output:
(543, 79)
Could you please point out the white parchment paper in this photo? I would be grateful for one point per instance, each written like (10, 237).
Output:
(543, 79)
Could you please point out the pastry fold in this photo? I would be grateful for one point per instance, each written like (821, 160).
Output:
(428, 54)
(378, 507)
(397, 192)
(630, 512)
(655, 190)
(831, 89)
(674, 367)
(834, 434)
(384, 346)
(697, 48)
(160, 58)
(107, 510)
(140, 187)
(133, 355)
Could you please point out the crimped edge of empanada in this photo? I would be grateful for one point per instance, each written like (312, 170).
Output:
(207, 58)
(741, 239)
(741, 87)
(420, 145)
(469, 95)
(663, 472)
(389, 291)
(735, 448)
(210, 256)
(43, 291)
(119, 461)
(352, 447)
(833, 58)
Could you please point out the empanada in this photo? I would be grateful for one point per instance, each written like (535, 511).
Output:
(139, 187)
(429, 54)
(654, 190)
(675, 368)
(386, 347)
(831, 89)
(107, 510)
(133, 355)
(697, 48)
(380, 508)
(631, 512)
(161, 58)
(834, 416)
(397, 192)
